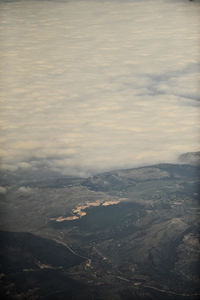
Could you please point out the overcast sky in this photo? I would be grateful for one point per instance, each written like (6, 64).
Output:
(88, 86)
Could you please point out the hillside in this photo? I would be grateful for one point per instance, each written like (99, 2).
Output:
(132, 234)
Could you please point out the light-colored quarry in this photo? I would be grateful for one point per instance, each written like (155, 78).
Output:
(80, 212)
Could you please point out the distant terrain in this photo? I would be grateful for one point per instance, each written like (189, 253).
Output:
(123, 234)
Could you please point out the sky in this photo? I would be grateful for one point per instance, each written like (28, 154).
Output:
(89, 86)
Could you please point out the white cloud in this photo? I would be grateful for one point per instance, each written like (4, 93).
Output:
(96, 85)
(25, 190)
(3, 190)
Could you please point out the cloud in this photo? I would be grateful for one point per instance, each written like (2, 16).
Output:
(25, 190)
(3, 190)
(90, 86)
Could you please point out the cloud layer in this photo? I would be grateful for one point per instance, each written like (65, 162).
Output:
(90, 85)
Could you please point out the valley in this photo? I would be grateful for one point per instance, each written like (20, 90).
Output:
(132, 233)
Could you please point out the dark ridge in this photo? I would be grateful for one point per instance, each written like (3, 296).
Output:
(126, 178)
(21, 250)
